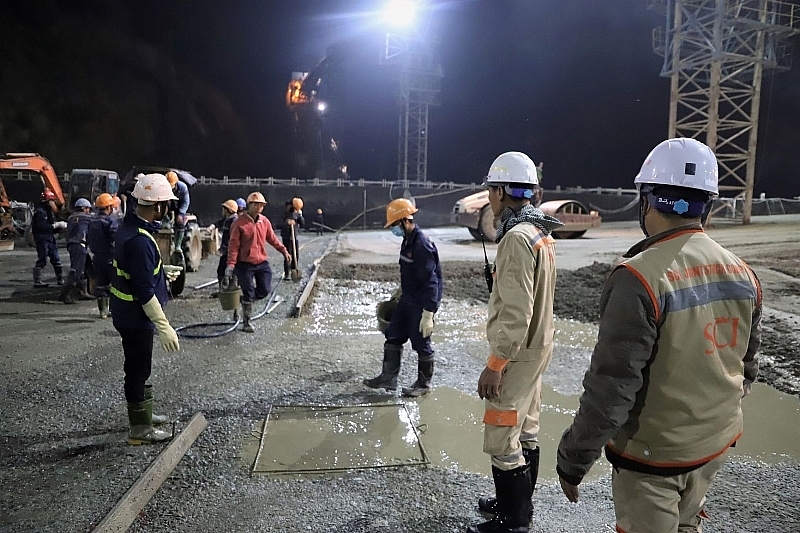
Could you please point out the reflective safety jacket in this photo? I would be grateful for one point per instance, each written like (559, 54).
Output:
(78, 226)
(520, 325)
(679, 330)
(138, 274)
(102, 232)
(420, 271)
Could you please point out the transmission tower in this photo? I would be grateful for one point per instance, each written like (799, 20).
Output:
(715, 54)
(420, 83)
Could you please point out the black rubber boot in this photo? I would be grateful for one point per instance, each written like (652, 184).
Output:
(59, 274)
(513, 488)
(387, 379)
(156, 419)
(37, 278)
(102, 306)
(83, 292)
(247, 312)
(488, 504)
(69, 293)
(424, 377)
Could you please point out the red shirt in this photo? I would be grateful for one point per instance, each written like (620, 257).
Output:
(249, 240)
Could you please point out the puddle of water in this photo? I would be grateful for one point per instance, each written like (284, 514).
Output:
(771, 426)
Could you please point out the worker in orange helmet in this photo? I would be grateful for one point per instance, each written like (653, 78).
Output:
(44, 227)
(291, 223)
(101, 239)
(421, 287)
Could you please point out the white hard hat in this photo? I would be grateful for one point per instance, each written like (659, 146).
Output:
(681, 163)
(153, 188)
(512, 167)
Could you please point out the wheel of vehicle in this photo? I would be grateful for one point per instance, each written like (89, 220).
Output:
(177, 286)
(475, 233)
(486, 223)
(193, 248)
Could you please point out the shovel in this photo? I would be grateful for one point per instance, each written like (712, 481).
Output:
(294, 273)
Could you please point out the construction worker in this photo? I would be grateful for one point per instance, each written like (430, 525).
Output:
(229, 216)
(520, 332)
(421, 287)
(247, 255)
(179, 207)
(102, 234)
(680, 324)
(319, 222)
(242, 205)
(138, 292)
(77, 228)
(291, 223)
(44, 227)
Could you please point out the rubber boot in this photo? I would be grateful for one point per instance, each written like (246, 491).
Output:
(83, 293)
(157, 419)
(387, 379)
(59, 274)
(424, 376)
(247, 312)
(488, 504)
(513, 488)
(69, 294)
(37, 278)
(177, 243)
(102, 306)
(140, 416)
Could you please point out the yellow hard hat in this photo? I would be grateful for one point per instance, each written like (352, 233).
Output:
(397, 209)
(230, 205)
(172, 177)
(104, 200)
(297, 203)
(256, 198)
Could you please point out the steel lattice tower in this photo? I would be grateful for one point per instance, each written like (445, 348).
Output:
(420, 84)
(715, 54)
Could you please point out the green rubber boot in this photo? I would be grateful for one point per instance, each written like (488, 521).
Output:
(142, 431)
(157, 419)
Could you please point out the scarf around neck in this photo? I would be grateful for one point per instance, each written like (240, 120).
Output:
(527, 213)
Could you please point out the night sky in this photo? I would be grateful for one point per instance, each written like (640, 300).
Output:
(573, 83)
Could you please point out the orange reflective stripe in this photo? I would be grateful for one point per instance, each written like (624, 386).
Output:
(495, 363)
(658, 464)
(500, 418)
(647, 288)
(619, 530)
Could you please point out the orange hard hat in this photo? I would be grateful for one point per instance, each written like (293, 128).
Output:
(297, 203)
(397, 209)
(230, 205)
(172, 177)
(104, 200)
(47, 195)
(256, 198)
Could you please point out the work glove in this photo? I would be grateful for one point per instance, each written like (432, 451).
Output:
(167, 335)
(227, 278)
(172, 272)
(426, 324)
(59, 225)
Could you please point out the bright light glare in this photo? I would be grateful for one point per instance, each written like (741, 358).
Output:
(322, 106)
(399, 12)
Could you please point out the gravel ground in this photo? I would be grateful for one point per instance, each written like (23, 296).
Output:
(64, 462)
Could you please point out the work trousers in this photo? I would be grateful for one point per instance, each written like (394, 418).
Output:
(404, 326)
(223, 263)
(254, 280)
(288, 266)
(137, 346)
(77, 259)
(47, 247)
(512, 418)
(103, 270)
(645, 503)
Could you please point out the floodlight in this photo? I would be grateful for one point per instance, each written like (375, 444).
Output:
(399, 13)
(322, 106)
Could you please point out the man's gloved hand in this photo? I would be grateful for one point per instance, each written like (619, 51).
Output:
(59, 225)
(426, 324)
(172, 272)
(167, 335)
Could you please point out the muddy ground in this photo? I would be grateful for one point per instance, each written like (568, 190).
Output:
(64, 462)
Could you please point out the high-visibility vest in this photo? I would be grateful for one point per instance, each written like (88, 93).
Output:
(121, 283)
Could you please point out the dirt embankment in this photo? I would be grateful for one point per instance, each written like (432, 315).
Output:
(578, 297)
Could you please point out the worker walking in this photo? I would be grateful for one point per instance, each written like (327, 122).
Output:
(421, 285)
(520, 332)
(138, 293)
(247, 255)
(291, 223)
(680, 324)
(179, 208)
(77, 229)
(319, 222)
(229, 216)
(44, 227)
(101, 238)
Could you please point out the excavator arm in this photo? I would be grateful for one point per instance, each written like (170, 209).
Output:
(31, 163)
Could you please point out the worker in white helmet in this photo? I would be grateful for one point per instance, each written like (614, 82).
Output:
(680, 324)
(520, 333)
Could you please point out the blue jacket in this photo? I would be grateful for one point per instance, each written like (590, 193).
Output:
(138, 274)
(224, 226)
(181, 205)
(420, 271)
(42, 224)
(102, 232)
(78, 227)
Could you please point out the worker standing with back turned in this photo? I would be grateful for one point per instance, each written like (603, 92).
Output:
(247, 255)
(520, 332)
(421, 285)
(139, 291)
(101, 238)
(680, 324)
(77, 231)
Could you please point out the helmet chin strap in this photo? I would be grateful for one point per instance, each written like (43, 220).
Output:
(642, 206)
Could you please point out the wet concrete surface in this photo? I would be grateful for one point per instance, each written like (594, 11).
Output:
(64, 461)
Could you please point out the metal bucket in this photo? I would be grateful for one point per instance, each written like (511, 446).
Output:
(229, 298)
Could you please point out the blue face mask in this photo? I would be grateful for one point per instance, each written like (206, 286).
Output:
(398, 231)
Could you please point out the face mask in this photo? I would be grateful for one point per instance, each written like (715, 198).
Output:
(397, 231)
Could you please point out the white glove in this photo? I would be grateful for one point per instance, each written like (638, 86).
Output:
(59, 225)
(167, 335)
(228, 272)
(172, 272)
(426, 324)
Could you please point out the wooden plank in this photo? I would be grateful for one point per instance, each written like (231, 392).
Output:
(298, 307)
(134, 500)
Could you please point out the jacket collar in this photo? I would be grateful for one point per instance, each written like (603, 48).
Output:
(644, 244)
(132, 218)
